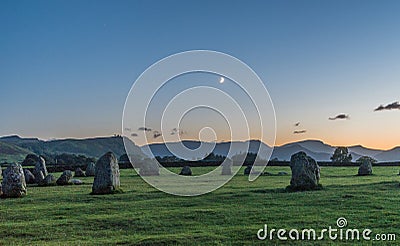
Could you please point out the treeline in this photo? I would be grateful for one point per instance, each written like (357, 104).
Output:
(61, 159)
(341, 157)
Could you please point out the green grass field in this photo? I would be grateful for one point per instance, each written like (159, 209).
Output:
(231, 215)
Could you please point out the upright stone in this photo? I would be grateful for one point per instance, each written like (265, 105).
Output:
(40, 170)
(29, 177)
(365, 168)
(227, 167)
(247, 170)
(65, 178)
(90, 170)
(305, 172)
(79, 173)
(49, 180)
(251, 170)
(149, 167)
(186, 171)
(106, 179)
(13, 184)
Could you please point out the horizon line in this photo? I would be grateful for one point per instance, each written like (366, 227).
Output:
(197, 140)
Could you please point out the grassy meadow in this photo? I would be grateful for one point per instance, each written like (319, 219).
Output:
(231, 215)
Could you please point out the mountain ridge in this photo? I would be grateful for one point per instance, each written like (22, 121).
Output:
(90, 147)
(96, 146)
(315, 148)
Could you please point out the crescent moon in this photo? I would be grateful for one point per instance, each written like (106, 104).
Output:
(221, 80)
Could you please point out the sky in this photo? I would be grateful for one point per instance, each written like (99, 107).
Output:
(66, 67)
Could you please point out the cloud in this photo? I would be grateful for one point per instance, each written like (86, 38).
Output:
(144, 129)
(300, 132)
(156, 134)
(177, 131)
(395, 105)
(340, 117)
(297, 124)
(134, 135)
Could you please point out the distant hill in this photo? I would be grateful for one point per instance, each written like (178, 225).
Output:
(286, 151)
(365, 151)
(282, 152)
(389, 155)
(160, 149)
(314, 148)
(12, 153)
(91, 147)
(15, 148)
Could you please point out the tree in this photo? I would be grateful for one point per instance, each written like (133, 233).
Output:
(341, 154)
(214, 157)
(73, 160)
(247, 158)
(366, 159)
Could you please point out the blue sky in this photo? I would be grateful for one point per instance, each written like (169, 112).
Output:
(67, 66)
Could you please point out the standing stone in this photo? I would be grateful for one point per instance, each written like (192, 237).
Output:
(305, 172)
(79, 173)
(226, 167)
(186, 171)
(39, 177)
(40, 171)
(13, 184)
(247, 170)
(149, 167)
(29, 177)
(106, 179)
(365, 168)
(48, 180)
(90, 170)
(65, 178)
